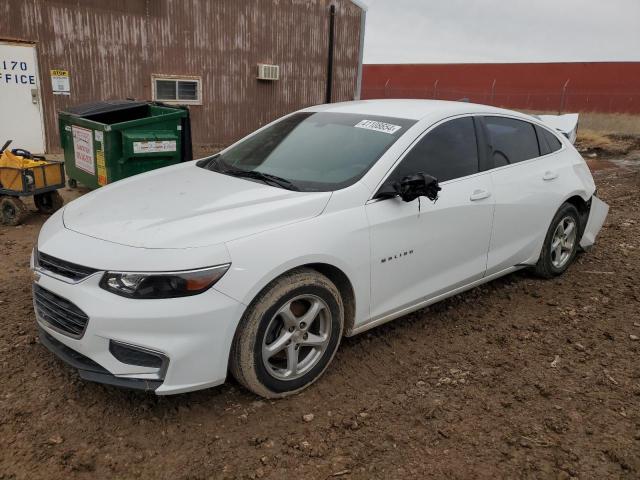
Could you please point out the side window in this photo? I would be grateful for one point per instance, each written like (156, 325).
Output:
(449, 151)
(510, 140)
(542, 141)
(549, 143)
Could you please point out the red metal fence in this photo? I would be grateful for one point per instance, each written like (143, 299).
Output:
(581, 87)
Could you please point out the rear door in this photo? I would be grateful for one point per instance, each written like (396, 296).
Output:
(421, 249)
(525, 171)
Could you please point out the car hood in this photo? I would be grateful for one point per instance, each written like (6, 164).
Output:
(187, 206)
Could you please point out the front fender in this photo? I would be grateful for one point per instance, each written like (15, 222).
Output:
(339, 239)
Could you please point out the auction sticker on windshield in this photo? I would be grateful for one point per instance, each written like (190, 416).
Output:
(378, 126)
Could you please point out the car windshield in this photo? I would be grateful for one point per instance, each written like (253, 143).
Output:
(312, 151)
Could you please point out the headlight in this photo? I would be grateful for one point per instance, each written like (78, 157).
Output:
(146, 285)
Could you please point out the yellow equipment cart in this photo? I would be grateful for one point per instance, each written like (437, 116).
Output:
(23, 174)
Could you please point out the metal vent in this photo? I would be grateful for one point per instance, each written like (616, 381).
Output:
(268, 72)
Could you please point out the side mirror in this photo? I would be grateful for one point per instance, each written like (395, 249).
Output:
(417, 185)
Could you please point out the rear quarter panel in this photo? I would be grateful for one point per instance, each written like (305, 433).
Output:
(574, 180)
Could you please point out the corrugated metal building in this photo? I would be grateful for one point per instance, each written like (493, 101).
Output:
(201, 52)
(578, 86)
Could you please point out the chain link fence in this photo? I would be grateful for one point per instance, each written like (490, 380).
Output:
(562, 100)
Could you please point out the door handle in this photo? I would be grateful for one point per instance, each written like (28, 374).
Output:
(550, 175)
(479, 195)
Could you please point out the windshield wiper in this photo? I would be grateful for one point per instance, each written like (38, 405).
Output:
(217, 164)
(265, 177)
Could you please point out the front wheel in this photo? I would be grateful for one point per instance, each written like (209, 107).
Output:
(288, 335)
(12, 211)
(48, 202)
(560, 244)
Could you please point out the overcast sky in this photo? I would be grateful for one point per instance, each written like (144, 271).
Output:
(442, 31)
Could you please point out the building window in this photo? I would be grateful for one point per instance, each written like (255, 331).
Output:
(175, 89)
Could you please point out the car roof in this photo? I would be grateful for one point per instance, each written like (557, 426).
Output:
(411, 109)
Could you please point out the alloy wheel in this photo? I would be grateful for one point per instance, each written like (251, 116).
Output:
(296, 337)
(563, 242)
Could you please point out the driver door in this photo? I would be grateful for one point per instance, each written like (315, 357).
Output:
(422, 249)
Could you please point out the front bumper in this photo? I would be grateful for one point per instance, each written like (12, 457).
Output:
(90, 370)
(192, 334)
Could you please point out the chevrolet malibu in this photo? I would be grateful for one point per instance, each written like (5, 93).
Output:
(322, 224)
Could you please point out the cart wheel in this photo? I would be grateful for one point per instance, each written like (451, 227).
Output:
(48, 202)
(13, 211)
(72, 183)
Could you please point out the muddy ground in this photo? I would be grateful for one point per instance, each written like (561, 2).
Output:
(521, 378)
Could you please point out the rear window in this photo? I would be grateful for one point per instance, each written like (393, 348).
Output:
(511, 141)
(549, 143)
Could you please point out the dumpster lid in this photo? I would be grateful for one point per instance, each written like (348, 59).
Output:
(95, 108)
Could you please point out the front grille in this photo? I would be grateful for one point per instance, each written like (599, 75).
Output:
(59, 313)
(63, 268)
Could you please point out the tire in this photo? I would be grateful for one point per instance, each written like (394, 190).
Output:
(72, 183)
(48, 202)
(277, 315)
(555, 258)
(12, 210)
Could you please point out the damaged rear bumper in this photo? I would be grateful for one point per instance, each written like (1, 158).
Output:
(597, 215)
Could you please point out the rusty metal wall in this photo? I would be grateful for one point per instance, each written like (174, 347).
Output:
(580, 86)
(112, 48)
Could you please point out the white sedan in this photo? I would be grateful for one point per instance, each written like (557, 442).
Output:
(325, 223)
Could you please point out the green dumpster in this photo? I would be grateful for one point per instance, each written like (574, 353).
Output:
(107, 141)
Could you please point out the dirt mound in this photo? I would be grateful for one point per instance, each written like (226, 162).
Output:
(594, 144)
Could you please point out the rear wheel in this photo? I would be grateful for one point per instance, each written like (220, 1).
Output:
(48, 202)
(13, 211)
(560, 244)
(288, 335)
